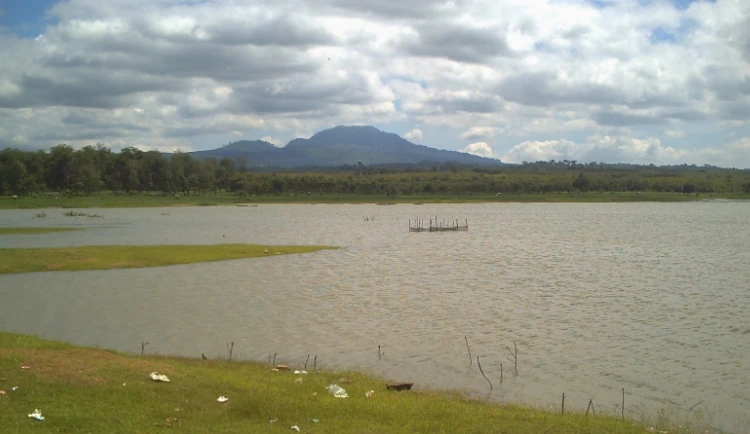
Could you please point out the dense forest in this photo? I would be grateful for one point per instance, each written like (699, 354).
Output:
(93, 170)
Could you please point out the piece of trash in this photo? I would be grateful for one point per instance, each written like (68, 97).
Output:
(369, 393)
(274, 370)
(123, 384)
(337, 391)
(272, 420)
(295, 428)
(282, 367)
(316, 420)
(36, 415)
(298, 381)
(2, 392)
(25, 367)
(399, 386)
(223, 399)
(14, 388)
(300, 372)
(159, 377)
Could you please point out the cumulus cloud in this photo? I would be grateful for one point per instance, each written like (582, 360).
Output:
(414, 135)
(276, 142)
(480, 132)
(546, 78)
(479, 148)
(650, 150)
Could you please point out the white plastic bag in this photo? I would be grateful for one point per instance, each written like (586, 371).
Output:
(159, 377)
(36, 415)
(337, 391)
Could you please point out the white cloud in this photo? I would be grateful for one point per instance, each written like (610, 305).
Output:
(608, 149)
(276, 142)
(480, 132)
(543, 73)
(479, 148)
(414, 135)
(674, 134)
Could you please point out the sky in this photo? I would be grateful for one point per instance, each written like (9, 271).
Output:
(630, 81)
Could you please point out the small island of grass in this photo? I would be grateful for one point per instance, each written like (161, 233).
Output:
(94, 390)
(110, 257)
(32, 230)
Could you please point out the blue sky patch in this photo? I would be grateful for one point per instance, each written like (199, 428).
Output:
(25, 18)
(660, 35)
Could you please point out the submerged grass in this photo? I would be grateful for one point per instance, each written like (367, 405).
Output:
(109, 257)
(91, 390)
(32, 230)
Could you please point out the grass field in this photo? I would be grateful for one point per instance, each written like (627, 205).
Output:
(19, 231)
(91, 390)
(110, 257)
(130, 201)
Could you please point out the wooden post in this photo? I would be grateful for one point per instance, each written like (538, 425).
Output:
(482, 372)
(623, 403)
(591, 406)
(469, 350)
(563, 404)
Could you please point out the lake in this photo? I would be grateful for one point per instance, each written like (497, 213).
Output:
(650, 297)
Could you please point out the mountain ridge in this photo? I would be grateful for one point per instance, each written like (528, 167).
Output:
(340, 146)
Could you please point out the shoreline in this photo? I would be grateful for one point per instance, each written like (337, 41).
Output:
(113, 389)
(148, 201)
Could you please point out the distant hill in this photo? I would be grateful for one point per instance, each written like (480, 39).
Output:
(339, 146)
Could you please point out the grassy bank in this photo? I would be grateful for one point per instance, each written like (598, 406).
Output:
(110, 257)
(90, 390)
(130, 201)
(20, 231)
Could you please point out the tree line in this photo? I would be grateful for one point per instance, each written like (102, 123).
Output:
(96, 169)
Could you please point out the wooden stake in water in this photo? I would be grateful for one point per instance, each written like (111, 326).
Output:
(482, 372)
(230, 348)
(315, 362)
(562, 411)
(591, 406)
(501, 372)
(274, 359)
(379, 352)
(307, 360)
(514, 353)
(143, 347)
(623, 403)
(469, 350)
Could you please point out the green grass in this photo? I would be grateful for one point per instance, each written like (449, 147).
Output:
(91, 390)
(132, 201)
(110, 257)
(18, 231)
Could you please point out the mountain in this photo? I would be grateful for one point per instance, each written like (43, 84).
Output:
(341, 146)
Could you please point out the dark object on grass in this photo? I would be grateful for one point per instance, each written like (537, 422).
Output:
(203, 356)
(399, 386)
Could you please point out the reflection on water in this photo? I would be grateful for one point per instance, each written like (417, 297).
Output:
(648, 297)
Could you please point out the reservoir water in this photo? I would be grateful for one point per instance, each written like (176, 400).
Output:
(650, 297)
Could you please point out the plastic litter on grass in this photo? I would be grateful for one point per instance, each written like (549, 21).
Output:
(337, 391)
(159, 377)
(36, 415)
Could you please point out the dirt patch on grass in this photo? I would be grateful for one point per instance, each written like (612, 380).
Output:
(79, 365)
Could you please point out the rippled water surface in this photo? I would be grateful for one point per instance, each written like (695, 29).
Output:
(652, 298)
